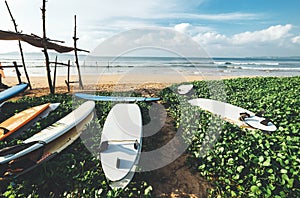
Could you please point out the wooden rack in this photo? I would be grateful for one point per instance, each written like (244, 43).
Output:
(16, 66)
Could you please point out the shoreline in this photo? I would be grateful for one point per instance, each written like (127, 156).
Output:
(115, 79)
(147, 85)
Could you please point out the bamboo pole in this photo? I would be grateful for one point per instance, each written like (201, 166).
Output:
(18, 72)
(54, 76)
(20, 46)
(45, 48)
(76, 55)
(69, 65)
(58, 63)
(1, 73)
(68, 77)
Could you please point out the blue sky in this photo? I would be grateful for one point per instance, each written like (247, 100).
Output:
(230, 28)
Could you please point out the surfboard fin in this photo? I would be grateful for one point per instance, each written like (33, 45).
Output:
(243, 116)
(5, 130)
(265, 121)
(136, 145)
(260, 113)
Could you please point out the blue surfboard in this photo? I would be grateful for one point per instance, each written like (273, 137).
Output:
(12, 91)
(114, 98)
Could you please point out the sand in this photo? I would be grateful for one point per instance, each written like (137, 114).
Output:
(127, 82)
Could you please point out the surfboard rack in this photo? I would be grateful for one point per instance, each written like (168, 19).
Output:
(68, 82)
(16, 67)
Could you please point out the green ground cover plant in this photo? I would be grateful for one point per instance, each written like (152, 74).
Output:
(244, 163)
(237, 162)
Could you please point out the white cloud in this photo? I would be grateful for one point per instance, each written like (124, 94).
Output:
(189, 29)
(296, 40)
(272, 33)
(275, 34)
(182, 27)
(211, 38)
(163, 40)
(268, 41)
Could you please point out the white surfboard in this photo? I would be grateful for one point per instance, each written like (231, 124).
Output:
(184, 89)
(232, 113)
(32, 123)
(53, 132)
(121, 143)
(27, 162)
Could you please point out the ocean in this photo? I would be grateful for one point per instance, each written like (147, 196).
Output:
(248, 66)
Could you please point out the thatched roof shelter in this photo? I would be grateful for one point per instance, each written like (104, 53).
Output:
(36, 41)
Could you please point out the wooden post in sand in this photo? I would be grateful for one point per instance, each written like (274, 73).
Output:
(76, 56)
(20, 46)
(1, 74)
(18, 72)
(45, 49)
(68, 78)
(54, 75)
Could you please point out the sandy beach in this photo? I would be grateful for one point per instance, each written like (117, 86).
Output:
(108, 83)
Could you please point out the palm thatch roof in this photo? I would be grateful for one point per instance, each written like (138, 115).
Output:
(35, 41)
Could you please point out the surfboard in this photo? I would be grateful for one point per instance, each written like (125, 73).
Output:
(12, 91)
(184, 89)
(19, 120)
(232, 114)
(45, 144)
(115, 98)
(121, 143)
(30, 124)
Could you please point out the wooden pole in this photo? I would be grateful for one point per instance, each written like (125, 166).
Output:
(54, 77)
(1, 73)
(76, 55)
(1, 69)
(68, 78)
(18, 72)
(20, 46)
(45, 48)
